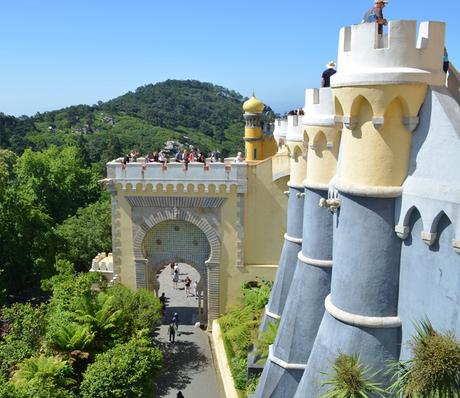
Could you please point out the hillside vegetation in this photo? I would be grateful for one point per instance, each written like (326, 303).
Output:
(190, 112)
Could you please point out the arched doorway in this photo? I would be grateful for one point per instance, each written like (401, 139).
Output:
(178, 241)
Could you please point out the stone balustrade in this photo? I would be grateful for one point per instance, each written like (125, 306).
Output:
(141, 175)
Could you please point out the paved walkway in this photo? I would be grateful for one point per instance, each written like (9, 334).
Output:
(188, 363)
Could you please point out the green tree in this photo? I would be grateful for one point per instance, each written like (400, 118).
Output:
(125, 371)
(86, 233)
(56, 180)
(25, 333)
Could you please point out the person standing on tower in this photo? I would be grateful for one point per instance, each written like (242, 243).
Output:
(326, 76)
(375, 14)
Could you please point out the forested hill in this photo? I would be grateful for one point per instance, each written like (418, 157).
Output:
(187, 111)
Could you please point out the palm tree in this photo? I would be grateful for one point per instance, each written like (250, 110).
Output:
(434, 370)
(351, 379)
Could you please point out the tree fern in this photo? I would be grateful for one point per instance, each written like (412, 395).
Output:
(52, 369)
(73, 336)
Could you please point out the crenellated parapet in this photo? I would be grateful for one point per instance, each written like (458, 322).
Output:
(401, 56)
(321, 136)
(196, 177)
(297, 151)
(280, 131)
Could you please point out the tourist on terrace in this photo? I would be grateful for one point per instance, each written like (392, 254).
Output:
(201, 158)
(162, 157)
(326, 76)
(215, 155)
(239, 158)
(445, 60)
(375, 14)
(151, 157)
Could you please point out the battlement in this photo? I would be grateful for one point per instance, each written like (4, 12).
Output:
(294, 128)
(280, 130)
(177, 176)
(401, 56)
(319, 107)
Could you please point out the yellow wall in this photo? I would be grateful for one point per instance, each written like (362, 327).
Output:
(322, 155)
(264, 223)
(265, 215)
(371, 157)
(298, 162)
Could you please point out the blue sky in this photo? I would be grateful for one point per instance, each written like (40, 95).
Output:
(57, 53)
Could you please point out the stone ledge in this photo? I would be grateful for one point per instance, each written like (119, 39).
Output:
(222, 362)
(314, 261)
(271, 314)
(292, 239)
(283, 364)
(373, 322)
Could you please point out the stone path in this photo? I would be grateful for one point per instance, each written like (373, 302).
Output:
(188, 363)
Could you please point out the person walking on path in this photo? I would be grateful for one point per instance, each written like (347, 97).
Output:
(188, 283)
(172, 332)
(180, 395)
(326, 76)
(195, 288)
(175, 279)
(175, 322)
(163, 303)
(375, 14)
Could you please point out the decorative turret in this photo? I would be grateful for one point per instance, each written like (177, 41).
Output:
(259, 145)
(280, 131)
(297, 151)
(253, 105)
(322, 137)
(365, 58)
(378, 90)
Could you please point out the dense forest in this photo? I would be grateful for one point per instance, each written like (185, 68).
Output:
(189, 112)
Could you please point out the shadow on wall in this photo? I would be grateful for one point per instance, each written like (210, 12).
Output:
(421, 132)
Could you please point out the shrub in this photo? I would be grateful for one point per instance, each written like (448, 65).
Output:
(251, 385)
(434, 370)
(240, 328)
(351, 379)
(38, 388)
(139, 310)
(26, 330)
(266, 339)
(238, 367)
(125, 371)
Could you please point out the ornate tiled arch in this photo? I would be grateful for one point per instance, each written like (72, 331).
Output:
(212, 264)
(179, 214)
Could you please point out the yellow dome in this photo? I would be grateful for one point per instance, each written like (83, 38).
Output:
(253, 105)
